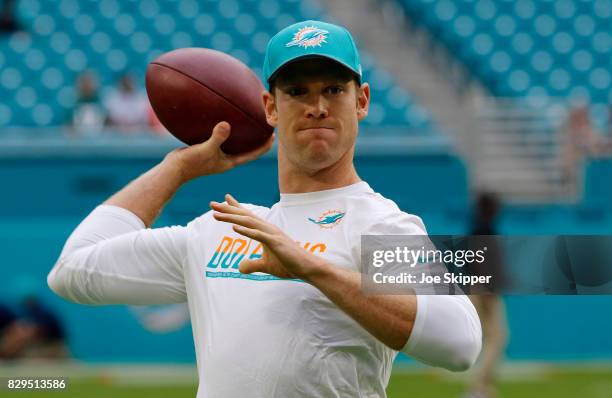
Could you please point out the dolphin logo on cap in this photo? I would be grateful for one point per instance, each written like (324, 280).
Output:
(308, 36)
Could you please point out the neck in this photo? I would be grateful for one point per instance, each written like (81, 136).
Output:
(292, 179)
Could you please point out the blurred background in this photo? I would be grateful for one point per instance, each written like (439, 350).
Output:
(489, 116)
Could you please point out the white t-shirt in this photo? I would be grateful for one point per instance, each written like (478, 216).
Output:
(256, 335)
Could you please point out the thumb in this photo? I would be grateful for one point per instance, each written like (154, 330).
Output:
(250, 266)
(220, 133)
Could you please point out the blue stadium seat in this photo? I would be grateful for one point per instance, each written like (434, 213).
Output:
(6, 115)
(525, 47)
(112, 37)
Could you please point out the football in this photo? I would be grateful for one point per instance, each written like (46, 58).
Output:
(193, 89)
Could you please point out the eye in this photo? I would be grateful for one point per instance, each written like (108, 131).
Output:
(334, 90)
(295, 91)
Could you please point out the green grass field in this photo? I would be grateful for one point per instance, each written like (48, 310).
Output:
(531, 382)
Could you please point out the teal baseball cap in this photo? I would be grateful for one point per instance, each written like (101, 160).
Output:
(310, 39)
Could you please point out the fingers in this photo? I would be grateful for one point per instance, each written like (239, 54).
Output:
(254, 154)
(233, 212)
(250, 266)
(220, 133)
(260, 265)
(263, 229)
(231, 200)
(229, 208)
(245, 221)
(254, 234)
(239, 215)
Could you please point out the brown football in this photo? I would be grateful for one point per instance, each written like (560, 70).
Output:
(193, 89)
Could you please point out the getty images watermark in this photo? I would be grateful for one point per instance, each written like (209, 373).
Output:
(397, 264)
(412, 257)
(486, 264)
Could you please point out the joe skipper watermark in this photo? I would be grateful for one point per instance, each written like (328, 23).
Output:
(399, 264)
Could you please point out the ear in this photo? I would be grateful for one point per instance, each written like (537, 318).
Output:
(363, 101)
(269, 102)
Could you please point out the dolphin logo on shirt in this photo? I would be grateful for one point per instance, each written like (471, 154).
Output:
(328, 219)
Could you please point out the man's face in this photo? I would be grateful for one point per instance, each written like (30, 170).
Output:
(316, 107)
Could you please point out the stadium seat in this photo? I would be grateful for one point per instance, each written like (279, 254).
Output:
(525, 47)
(112, 37)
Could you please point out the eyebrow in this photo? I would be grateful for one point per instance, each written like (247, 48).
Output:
(328, 81)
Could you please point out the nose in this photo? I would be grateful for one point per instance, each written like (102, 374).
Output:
(318, 108)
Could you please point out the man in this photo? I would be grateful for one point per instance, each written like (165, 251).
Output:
(272, 317)
(35, 333)
(127, 107)
(490, 306)
(88, 116)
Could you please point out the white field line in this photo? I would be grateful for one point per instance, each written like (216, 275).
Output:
(524, 371)
(112, 373)
(173, 374)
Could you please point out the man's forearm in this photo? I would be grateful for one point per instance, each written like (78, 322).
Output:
(147, 195)
(389, 318)
(437, 330)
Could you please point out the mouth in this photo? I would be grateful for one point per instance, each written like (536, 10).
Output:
(315, 130)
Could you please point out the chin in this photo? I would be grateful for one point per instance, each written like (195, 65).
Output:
(319, 160)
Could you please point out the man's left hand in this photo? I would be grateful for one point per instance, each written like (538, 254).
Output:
(281, 257)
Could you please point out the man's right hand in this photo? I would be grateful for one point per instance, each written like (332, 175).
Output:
(208, 158)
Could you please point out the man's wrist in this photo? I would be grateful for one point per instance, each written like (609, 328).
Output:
(173, 168)
(316, 270)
